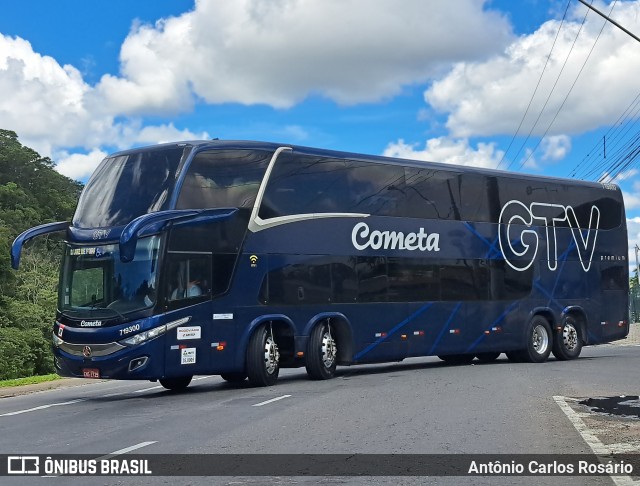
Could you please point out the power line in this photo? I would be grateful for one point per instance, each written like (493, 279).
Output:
(609, 19)
(550, 93)
(537, 86)
(572, 86)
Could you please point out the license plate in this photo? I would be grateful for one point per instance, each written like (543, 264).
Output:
(91, 372)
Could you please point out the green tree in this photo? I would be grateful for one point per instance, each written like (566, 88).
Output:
(31, 193)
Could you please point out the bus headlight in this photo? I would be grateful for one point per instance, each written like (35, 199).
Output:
(57, 342)
(144, 336)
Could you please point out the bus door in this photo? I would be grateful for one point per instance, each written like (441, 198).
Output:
(188, 302)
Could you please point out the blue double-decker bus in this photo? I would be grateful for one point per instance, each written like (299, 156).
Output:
(241, 258)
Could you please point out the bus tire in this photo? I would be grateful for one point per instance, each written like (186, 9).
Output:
(488, 357)
(322, 353)
(263, 358)
(539, 341)
(176, 384)
(457, 359)
(567, 342)
(234, 377)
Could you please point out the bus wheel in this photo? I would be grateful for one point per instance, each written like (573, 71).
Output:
(263, 358)
(176, 384)
(487, 357)
(234, 377)
(539, 341)
(567, 343)
(457, 359)
(322, 353)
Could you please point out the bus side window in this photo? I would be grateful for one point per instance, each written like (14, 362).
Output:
(188, 277)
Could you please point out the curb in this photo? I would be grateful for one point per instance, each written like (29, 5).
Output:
(14, 391)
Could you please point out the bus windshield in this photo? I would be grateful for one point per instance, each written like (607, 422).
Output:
(95, 283)
(150, 175)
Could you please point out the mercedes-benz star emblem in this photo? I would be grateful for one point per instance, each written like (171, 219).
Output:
(86, 351)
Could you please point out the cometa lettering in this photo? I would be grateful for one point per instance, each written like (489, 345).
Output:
(362, 238)
(90, 323)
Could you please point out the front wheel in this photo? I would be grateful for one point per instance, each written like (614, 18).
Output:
(567, 343)
(263, 358)
(322, 353)
(176, 384)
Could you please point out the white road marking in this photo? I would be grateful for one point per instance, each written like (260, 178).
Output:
(148, 389)
(160, 386)
(270, 401)
(592, 441)
(127, 449)
(118, 453)
(42, 407)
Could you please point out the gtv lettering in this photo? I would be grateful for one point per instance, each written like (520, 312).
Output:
(515, 213)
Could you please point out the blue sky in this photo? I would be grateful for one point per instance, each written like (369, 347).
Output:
(439, 80)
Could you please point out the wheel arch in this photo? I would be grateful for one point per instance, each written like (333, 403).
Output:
(547, 314)
(343, 333)
(283, 329)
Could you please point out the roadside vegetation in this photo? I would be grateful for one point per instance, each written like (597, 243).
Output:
(31, 193)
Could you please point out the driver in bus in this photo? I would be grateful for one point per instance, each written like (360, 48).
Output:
(192, 289)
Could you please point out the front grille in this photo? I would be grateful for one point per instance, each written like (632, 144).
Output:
(96, 349)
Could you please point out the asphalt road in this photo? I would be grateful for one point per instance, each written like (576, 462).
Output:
(419, 406)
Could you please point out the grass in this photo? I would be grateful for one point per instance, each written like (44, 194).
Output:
(28, 381)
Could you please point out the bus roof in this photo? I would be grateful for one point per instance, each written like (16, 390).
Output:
(199, 145)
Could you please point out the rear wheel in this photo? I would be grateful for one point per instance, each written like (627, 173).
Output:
(176, 384)
(567, 343)
(263, 357)
(234, 377)
(539, 341)
(457, 359)
(322, 353)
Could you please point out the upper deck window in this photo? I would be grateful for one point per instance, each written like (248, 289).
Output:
(307, 185)
(127, 186)
(223, 178)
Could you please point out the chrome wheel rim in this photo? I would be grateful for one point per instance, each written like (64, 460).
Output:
(540, 339)
(570, 336)
(328, 349)
(271, 355)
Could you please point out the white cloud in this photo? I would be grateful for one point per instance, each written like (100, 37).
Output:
(278, 53)
(631, 201)
(135, 134)
(489, 97)
(78, 166)
(41, 100)
(244, 51)
(448, 151)
(555, 147)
